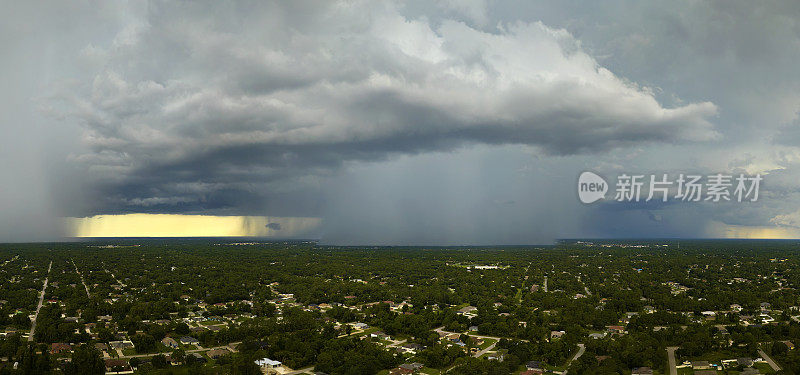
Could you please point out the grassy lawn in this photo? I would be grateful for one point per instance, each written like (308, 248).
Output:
(486, 343)
(366, 331)
(429, 370)
(129, 351)
(764, 368)
(163, 348)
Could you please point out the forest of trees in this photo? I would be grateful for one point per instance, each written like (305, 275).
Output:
(269, 295)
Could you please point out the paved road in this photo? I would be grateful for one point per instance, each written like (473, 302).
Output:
(112, 275)
(673, 369)
(301, 371)
(154, 354)
(484, 351)
(41, 301)
(581, 350)
(82, 281)
(769, 360)
(545, 284)
(441, 330)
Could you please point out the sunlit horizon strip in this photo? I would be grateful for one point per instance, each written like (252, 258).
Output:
(175, 225)
(720, 230)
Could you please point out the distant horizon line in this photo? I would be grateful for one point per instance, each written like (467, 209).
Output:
(265, 239)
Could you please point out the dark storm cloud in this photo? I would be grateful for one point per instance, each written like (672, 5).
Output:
(237, 109)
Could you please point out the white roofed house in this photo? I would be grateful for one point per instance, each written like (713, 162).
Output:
(268, 365)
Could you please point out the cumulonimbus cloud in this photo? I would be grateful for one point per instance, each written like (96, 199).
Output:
(192, 104)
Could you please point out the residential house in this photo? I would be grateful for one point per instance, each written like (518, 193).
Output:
(117, 365)
(414, 367)
(267, 365)
(412, 348)
(60, 347)
(534, 365)
(400, 371)
(701, 365)
(746, 362)
(642, 371)
(469, 311)
(121, 344)
(216, 353)
(169, 342)
(189, 340)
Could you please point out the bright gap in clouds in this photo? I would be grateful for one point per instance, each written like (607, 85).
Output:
(170, 225)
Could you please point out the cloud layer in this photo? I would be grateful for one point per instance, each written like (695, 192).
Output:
(242, 108)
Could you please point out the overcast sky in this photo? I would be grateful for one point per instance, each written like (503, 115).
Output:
(454, 122)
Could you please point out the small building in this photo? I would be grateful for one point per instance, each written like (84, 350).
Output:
(468, 311)
(189, 340)
(746, 362)
(267, 364)
(117, 365)
(701, 365)
(642, 371)
(414, 367)
(412, 348)
(216, 353)
(534, 365)
(169, 342)
(60, 347)
(400, 371)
